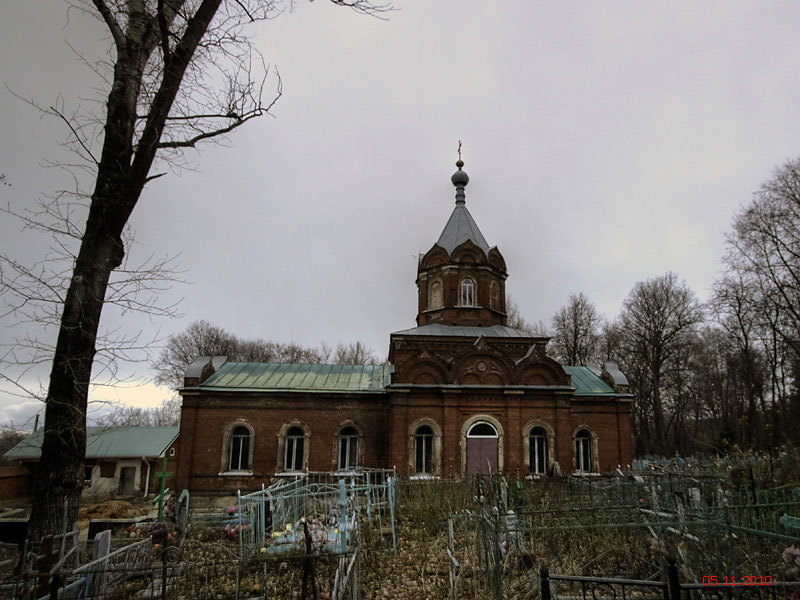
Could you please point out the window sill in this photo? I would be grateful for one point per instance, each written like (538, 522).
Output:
(235, 474)
(291, 474)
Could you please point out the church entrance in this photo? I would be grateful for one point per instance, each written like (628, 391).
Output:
(482, 444)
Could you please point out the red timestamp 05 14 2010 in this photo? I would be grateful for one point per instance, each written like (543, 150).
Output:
(741, 580)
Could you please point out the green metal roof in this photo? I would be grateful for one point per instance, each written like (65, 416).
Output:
(293, 377)
(107, 442)
(587, 383)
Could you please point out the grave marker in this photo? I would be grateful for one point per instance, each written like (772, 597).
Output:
(163, 489)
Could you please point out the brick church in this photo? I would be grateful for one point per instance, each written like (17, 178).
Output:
(464, 393)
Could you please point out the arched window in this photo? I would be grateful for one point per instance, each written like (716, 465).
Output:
(494, 296)
(348, 448)
(482, 429)
(435, 295)
(468, 293)
(584, 462)
(538, 450)
(239, 456)
(423, 449)
(294, 449)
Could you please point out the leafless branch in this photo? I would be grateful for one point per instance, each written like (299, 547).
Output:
(111, 22)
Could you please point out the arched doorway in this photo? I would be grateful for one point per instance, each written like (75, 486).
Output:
(482, 446)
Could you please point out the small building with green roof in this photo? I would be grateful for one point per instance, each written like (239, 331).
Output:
(120, 461)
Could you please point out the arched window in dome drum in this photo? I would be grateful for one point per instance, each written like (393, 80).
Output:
(468, 293)
(435, 295)
(494, 296)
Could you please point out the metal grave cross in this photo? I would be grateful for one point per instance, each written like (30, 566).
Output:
(163, 490)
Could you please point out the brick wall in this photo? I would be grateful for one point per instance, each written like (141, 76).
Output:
(201, 449)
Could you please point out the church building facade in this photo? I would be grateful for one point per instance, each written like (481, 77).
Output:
(463, 393)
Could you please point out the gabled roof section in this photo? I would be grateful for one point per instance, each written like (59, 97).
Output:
(107, 442)
(460, 228)
(292, 377)
(586, 383)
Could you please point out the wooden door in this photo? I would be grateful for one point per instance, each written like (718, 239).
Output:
(481, 455)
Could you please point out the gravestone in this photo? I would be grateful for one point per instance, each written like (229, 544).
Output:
(100, 549)
(113, 525)
(182, 516)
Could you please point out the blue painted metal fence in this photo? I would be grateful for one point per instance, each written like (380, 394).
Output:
(332, 506)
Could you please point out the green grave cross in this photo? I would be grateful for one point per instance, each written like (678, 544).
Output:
(163, 490)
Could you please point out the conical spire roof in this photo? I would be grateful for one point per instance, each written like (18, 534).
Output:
(461, 226)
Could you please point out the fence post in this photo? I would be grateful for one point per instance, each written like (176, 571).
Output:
(342, 517)
(673, 584)
(544, 582)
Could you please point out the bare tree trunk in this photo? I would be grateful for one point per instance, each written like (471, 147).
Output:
(121, 176)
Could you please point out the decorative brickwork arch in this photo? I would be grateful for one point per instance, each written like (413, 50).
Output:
(419, 453)
(496, 259)
(466, 445)
(238, 441)
(536, 368)
(294, 447)
(422, 368)
(482, 365)
(538, 459)
(469, 253)
(434, 257)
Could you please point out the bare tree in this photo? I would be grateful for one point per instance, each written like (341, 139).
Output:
(657, 317)
(763, 264)
(576, 331)
(610, 341)
(354, 353)
(201, 338)
(515, 320)
(167, 60)
(122, 415)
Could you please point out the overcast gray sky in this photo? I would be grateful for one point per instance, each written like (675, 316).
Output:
(606, 142)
